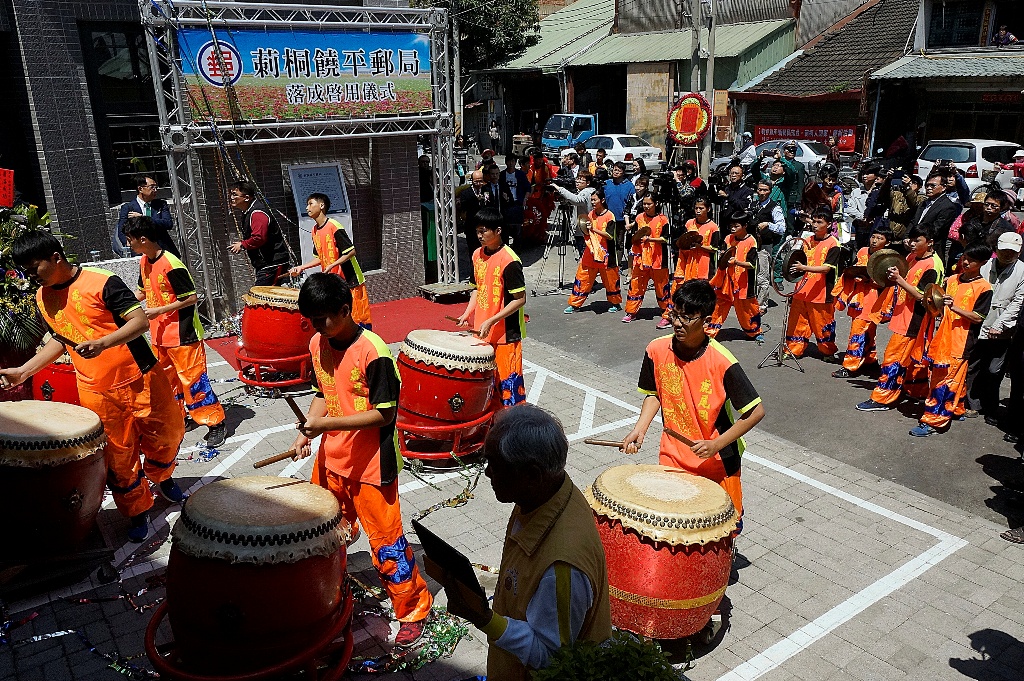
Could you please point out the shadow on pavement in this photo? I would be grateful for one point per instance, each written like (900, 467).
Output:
(1002, 657)
(1007, 497)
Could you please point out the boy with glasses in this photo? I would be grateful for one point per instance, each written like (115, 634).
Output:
(700, 389)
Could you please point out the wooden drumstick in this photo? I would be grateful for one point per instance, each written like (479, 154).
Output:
(679, 436)
(290, 454)
(603, 443)
(295, 409)
(451, 318)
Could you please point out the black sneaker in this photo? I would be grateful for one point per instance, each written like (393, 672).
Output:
(992, 420)
(871, 405)
(138, 528)
(170, 491)
(216, 436)
(842, 373)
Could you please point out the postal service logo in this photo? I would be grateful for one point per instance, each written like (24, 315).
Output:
(218, 70)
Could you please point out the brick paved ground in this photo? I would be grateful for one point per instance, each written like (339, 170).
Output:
(842, 575)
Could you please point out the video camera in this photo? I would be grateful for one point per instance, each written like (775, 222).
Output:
(664, 188)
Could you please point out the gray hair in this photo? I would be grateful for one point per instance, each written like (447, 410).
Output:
(525, 435)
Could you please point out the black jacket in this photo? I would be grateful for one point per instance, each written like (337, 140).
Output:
(161, 216)
(938, 216)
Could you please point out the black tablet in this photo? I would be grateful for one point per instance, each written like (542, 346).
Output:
(449, 558)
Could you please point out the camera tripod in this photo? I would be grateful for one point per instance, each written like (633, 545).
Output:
(562, 234)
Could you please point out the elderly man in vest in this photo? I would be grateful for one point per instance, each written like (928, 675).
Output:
(553, 584)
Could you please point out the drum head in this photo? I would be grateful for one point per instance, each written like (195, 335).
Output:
(34, 433)
(451, 349)
(664, 504)
(260, 519)
(274, 296)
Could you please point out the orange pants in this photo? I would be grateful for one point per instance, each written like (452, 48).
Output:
(748, 312)
(584, 284)
(509, 358)
(361, 307)
(638, 287)
(901, 366)
(141, 416)
(811, 318)
(185, 365)
(946, 396)
(861, 348)
(380, 513)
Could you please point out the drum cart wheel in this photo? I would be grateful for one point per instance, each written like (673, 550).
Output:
(334, 648)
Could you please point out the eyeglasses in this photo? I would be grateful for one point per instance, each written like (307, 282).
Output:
(932, 185)
(683, 319)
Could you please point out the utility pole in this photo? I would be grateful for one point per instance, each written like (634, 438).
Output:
(695, 46)
(709, 139)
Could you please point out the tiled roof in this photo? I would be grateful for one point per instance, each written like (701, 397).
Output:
(978, 64)
(731, 40)
(838, 61)
(564, 33)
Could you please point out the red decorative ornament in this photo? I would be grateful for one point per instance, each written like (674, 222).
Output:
(690, 119)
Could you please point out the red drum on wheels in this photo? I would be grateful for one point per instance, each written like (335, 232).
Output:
(52, 474)
(449, 393)
(56, 383)
(275, 338)
(667, 537)
(255, 576)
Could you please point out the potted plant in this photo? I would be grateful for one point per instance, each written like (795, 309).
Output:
(623, 657)
(21, 326)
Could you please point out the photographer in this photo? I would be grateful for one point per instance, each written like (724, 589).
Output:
(580, 200)
(570, 167)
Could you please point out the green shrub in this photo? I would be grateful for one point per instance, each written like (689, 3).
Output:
(623, 657)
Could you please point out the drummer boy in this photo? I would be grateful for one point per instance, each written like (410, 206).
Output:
(496, 305)
(98, 314)
(698, 386)
(359, 460)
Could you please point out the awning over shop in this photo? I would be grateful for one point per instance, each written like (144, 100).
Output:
(731, 40)
(977, 64)
(564, 34)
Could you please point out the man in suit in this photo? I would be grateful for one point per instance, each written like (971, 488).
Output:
(938, 212)
(146, 203)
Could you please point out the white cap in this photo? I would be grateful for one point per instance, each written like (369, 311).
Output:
(1009, 241)
(1019, 153)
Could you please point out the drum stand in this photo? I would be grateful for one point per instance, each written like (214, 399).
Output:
(780, 354)
(22, 576)
(563, 234)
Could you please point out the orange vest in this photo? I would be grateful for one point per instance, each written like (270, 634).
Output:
(596, 253)
(815, 287)
(735, 282)
(850, 292)
(651, 254)
(493, 293)
(369, 455)
(158, 280)
(79, 311)
(698, 263)
(953, 337)
(905, 306)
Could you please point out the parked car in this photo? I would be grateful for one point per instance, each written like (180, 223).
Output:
(976, 158)
(625, 148)
(812, 154)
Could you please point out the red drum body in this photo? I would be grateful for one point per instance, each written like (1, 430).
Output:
(275, 336)
(56, 383)
(255, 574)
(52, 474)
(667, 538)
(449, 393)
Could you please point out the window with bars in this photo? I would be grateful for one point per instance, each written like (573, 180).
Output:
(956, 24)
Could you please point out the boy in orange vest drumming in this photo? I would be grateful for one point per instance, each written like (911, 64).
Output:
(698, 386)
(736, 284)
(359, 458)
(335, 253)
(968, 299)
(102, 322)
(496, 305)
(813, 310)
(177, 335)
(595, 261)
(697, 262)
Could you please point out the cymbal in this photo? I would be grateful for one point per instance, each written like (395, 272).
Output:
(797, 256)
(726, 256)
(689, 240)
(880, 262)
(934, 298)
(856, 270)
(644, 231)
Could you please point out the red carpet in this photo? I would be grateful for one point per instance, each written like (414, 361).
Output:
(391, 321)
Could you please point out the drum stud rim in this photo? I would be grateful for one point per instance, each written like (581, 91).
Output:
(278, 539)
(17, 445)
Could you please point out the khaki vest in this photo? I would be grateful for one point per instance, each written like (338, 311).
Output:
(562, 530)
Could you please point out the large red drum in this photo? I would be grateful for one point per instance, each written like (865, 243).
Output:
(56, 383)
(273, 329)
(52, 474)
(255, 574)
(667, 537)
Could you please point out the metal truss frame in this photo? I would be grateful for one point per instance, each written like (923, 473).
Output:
(182, 136)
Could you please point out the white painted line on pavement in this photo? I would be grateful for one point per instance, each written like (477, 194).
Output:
(536, 386)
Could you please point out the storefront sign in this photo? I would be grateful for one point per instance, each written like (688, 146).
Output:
(690, 119)
(287, 75)
(721, 107)
(846, 136)
(6, 188)
(1001, 98)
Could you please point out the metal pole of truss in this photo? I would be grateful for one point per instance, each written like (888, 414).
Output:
(444, 148)
(168, 89)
